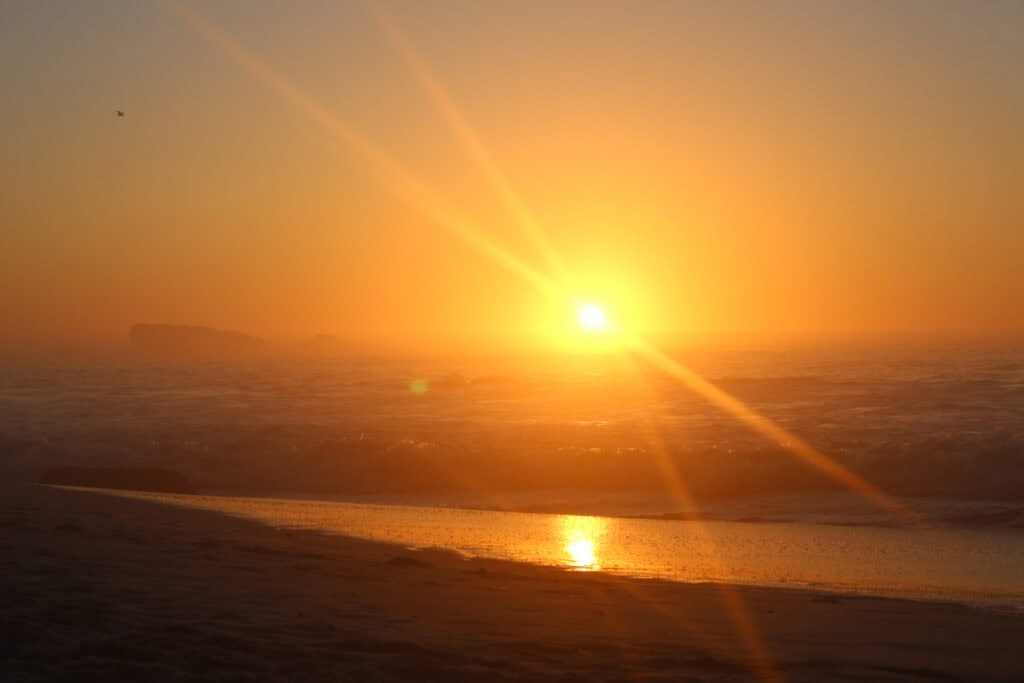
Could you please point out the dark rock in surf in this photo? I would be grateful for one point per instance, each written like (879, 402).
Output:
(125, 478)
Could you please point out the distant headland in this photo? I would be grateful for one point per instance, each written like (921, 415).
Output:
(193, 341)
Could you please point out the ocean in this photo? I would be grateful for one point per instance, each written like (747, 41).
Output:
(938, 428)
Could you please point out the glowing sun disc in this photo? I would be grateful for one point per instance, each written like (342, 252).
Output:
(592, 317)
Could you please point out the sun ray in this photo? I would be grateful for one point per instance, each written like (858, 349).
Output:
(470, 141)
(769, 429)
(422, 198)
(395, 177)
(764, 665)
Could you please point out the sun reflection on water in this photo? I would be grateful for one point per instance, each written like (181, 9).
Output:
(582, 536)
(582, 553)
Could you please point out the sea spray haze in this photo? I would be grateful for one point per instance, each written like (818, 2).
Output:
(942, 424)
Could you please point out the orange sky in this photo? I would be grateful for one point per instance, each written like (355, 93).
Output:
(701, 169)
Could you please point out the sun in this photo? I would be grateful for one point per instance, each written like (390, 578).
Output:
(592, 317)
(581, 325)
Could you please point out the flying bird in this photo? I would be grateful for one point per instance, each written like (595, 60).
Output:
(119, 112)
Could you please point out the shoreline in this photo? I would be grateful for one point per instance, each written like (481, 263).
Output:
(985, 514)
(861, 560)
(106, 584)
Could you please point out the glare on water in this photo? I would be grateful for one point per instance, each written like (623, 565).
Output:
(582, 536)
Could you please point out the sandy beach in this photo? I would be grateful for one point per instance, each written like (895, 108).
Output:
(96, 587)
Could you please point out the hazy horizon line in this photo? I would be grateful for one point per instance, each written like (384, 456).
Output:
(369, 343)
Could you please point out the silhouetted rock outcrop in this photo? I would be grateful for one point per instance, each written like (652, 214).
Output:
(127, 478)
(193, 341)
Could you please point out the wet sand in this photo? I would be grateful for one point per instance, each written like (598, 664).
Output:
(102, 588)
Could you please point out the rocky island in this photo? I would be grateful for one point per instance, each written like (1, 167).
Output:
(193, 341)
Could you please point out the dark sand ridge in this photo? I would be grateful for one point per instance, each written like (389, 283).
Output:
(96, 587)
